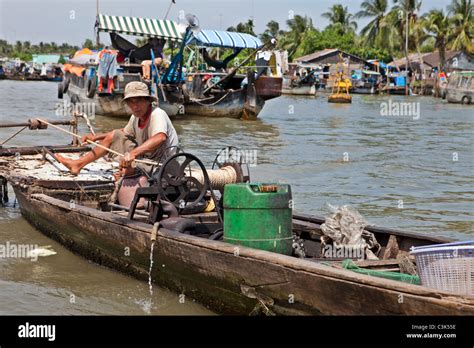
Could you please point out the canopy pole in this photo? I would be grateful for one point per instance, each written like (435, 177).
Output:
(169, 8)
(234, 71)
(97, 37)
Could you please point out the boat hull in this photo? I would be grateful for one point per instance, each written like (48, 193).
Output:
(112, 105)
(226, 278)
(304, 90)
(233, 104)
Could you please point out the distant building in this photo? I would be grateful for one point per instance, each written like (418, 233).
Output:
(39, 59)
(330, 59)
(455, 60)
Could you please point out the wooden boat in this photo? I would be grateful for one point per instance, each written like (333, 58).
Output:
(291, 89)
(365, 82)
(222, 276)
(82, 90)
(179, 92)
(394, 90)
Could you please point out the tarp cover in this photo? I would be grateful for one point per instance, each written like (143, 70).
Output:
(230, 39)
(165, 29)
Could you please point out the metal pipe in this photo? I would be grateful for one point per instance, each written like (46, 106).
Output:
(28, 124)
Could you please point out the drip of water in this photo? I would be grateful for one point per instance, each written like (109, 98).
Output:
(151, 267)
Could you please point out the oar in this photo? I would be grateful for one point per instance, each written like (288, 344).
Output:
(153, 163)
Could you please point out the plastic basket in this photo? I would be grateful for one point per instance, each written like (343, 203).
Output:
(448, 267)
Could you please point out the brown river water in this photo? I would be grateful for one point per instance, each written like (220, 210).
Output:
(412, 172)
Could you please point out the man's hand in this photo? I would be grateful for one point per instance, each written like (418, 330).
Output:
(87, 137)
(128, 160)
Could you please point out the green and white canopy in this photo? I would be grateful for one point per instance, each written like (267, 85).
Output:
(164, 29)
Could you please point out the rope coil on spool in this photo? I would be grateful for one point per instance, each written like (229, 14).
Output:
(218, 178)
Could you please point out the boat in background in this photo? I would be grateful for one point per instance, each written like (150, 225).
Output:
(460, 88)
(303, 79)
(180, 88)
(396, 83)
(365, 81)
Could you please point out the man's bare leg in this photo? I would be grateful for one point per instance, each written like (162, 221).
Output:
(75, 166)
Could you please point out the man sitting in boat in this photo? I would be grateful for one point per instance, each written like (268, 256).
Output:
(149, 134)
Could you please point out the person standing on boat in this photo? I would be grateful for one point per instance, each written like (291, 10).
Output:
(148, 134)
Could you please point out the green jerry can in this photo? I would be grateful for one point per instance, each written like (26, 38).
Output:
(259, 216)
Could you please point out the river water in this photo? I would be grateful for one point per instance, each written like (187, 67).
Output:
(412, 172)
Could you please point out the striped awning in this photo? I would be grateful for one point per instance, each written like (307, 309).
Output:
(158, 28)
(218, 38)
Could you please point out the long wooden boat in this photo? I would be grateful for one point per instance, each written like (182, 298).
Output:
(303, 89)
(179, 92)
(222, 276)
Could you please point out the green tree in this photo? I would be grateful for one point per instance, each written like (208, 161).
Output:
(437, 25)
(377, 11)
(299, 28)
(272, 31)
(462, 12)
(244, 27)
(88, 44)
(340, 18)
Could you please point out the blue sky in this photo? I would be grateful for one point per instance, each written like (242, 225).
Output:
(72, 21)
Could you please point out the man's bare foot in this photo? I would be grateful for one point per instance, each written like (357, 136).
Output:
(73, 165)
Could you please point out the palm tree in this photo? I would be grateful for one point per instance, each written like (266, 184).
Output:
(272, 31)
(438, 27)
(340, 17)
(245, 27)
(377, 10)
(292, 39)
(463, 23)
(399, 14)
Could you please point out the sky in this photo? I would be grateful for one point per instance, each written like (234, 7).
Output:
(72, 21)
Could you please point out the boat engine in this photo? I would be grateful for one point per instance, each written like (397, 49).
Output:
(182, 184)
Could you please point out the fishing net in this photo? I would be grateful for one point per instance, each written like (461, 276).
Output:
(346, 227)
(406, 278)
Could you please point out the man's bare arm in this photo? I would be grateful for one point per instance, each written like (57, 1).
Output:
(150, 145)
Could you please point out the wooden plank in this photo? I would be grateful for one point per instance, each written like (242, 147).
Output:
(392, 249)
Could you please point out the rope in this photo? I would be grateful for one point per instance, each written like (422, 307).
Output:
(14, 135)
(212, 104)
(86, 118)
(218, 178)
(152, 163)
